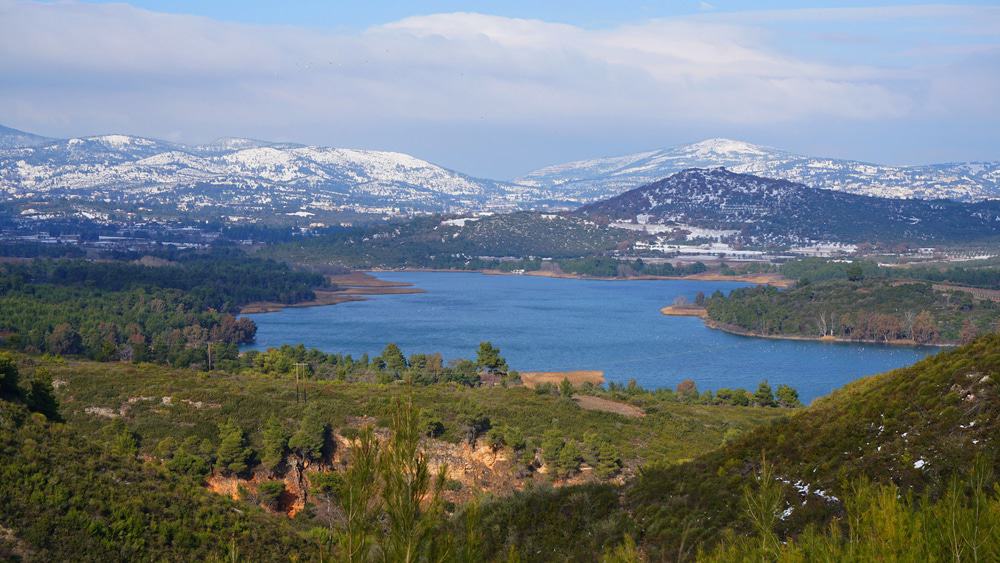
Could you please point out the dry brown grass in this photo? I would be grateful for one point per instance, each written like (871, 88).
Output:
(532, 379)
(684, 311)
(350, 287)
(592, 403)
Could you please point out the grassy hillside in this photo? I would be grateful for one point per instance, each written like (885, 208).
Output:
(671, 431)
(109, 468)
(914, 427)
(911, 431)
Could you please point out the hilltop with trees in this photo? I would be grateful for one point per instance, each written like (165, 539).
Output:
(873, 310)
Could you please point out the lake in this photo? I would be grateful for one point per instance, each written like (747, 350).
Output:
(547, 324)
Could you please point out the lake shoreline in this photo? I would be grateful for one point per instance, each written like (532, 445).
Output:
(702, 313)
(567, 327)
(355, 286)
(358, 284)
(775, 280)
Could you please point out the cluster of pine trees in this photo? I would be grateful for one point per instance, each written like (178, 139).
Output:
(391, 365)
(862, 309)
(182, 312)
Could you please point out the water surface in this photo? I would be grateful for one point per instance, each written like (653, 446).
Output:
(565, 324)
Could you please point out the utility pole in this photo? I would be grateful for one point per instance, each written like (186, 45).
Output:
(209, 356)
(299, 365)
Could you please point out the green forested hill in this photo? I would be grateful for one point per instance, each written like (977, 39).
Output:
(915, 428)
(879, 310)
(432, 243)
(117, 310)
(138, 442)
(68, 489)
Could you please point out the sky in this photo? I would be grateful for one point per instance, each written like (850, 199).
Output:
(496, 89)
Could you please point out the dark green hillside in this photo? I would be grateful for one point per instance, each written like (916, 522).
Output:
(770, 212)
(914, 427)
(534, 234)
(68, 495)
(117, 310)
(429, 242)
(978, 273)
(123, 477)
(874, 310)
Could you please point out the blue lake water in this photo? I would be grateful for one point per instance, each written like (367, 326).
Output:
(550, 324)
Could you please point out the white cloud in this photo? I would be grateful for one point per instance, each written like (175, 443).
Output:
(175, 75)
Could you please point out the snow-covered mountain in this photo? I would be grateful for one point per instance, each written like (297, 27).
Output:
(589, 180)
(246, 177)
(10, 138)
(764, 211)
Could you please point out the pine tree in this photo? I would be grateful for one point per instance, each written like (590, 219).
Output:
(123, 441)
(8, 375)
(275, 444)
(41, 397)
(358, 498)
(566, 389)
(233, 454)
(764, 397)
(393, 358)
(406, 481)
(609, 461)
(269, 493)
(552, 444)
(488, 357)
(310, 439)
(788, 397)
(569, 459)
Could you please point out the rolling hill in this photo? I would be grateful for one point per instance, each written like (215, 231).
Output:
(914, 428)
(766, 211)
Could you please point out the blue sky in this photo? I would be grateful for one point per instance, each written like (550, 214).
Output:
(499, 88)
(594, 14)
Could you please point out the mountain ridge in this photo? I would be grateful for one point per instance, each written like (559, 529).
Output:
(766, 212)
(251, 176)
(12, 138)
(240, 178)
(604, 177)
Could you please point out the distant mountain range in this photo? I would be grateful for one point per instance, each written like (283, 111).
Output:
(239, 179)
(764, 212)
(588, 180)
(11, 138)
(243, 177)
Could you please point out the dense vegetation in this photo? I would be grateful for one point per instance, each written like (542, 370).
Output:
(914, 428)
(982, 273)
(163, 430)
(187, 426)
(110, 460)
(874, 310)
(454, 412)
(558, 244)
(167, 312)
(431, 243)
(12, 249)
(881, 522)
(70, 495)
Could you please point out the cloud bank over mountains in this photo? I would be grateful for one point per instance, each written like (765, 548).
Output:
(78, 68)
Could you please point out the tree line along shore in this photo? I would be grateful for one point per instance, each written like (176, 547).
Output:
(875, 310)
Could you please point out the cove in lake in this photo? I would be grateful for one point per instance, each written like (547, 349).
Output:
(547, 324)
